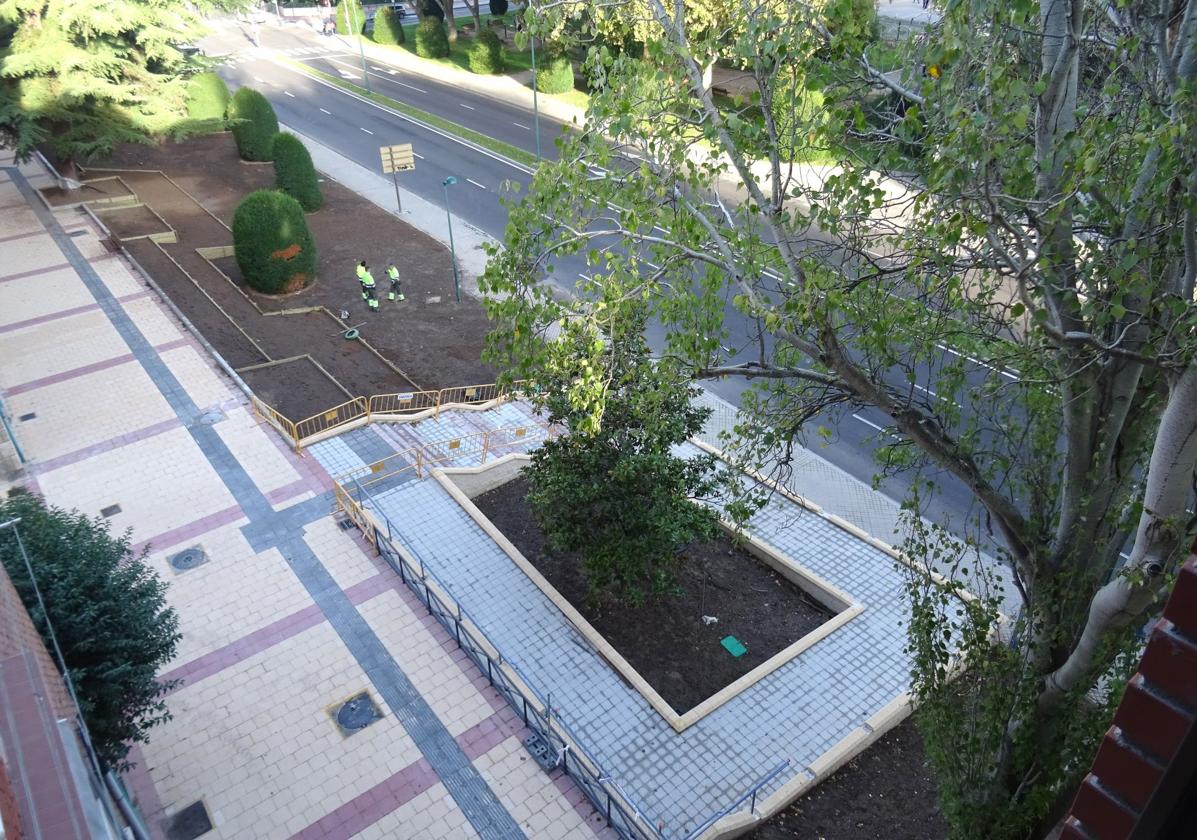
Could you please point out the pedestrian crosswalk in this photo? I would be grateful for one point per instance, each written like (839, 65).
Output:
(255, 53)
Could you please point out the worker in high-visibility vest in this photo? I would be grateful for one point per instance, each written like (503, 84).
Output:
(360, 271)
(367, 281)
(395, 292)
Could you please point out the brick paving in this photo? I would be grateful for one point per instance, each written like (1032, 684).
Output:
(289, 615)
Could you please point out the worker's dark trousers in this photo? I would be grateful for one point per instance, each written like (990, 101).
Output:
(370, 298)
(395, 292)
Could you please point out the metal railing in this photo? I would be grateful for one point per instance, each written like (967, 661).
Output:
(398, 406)
(538, 714)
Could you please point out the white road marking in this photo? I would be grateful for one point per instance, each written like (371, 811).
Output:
(368, 131)
(476, 184)
(469, 107)
(417, 155)
(326, 112)
(289, 93)
(934, 395)
(524, 127)
(1009, 373)
(585, 277)
(873, 425)
(413, 87)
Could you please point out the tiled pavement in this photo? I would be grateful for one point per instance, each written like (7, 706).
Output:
(124, 412)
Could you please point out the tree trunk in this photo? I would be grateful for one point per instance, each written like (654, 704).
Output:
(450, 22)
(68, 174)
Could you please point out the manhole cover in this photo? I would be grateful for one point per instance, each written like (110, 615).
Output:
(188, 559)
(355, 714)
(193, 821)
(345, 524)
(210, 418)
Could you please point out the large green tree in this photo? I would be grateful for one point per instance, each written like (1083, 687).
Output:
(108, 611)
(1005, 268)
(82, 77)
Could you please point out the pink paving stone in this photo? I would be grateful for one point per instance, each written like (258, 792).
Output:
(288, 491)
(371, 806)
(21, 275)
(39, 232)
(191, 530)
(106, 445)
(66, 313)
(94, 367)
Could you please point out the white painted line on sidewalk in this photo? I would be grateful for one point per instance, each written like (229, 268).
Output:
(470, 107)
(524, 127)
(326, 112)
(476, 184)
(289, 93)
(368, 131)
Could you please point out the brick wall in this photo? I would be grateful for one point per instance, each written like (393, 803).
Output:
(1146, 756)
(10, 817)
(18, 636)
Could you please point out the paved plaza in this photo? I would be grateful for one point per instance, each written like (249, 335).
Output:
(120, 411)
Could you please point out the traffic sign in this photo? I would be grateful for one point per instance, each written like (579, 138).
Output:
(398, 158)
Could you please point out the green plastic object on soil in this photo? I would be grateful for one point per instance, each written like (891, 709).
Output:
(254, 124)
(431, 39)
(207, 97)
(486, 53)
(294, 173)
(272, 243)
(556, 74)
(734, 646)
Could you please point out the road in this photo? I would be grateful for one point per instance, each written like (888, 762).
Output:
(356, 128)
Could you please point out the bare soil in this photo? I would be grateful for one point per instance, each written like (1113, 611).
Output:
(886, 793)
(294, 386)
(419, 344)
(665, 639)
(131, 222)
(103, 188)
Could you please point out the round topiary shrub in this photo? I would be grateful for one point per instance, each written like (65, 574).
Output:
(431, 40)
(294, 173)
(387, 29)
(498, 7)
(207, 97)
(347, 16)
(555, 73)
(272, 243)
(486, 53)
(254, 124)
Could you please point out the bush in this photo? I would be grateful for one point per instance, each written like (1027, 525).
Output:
(498, 7)
(555, 73)
(431, 40)
(344, 18)
(109, 613)
(207, 97)
(254, 124)
(387, 28)
(271, 241)
(486, 53)
(294, 173)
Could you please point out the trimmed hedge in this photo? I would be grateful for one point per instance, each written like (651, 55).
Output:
(344, 18)
(498, 7)
(556, 73)
(486, 53)
(431, 39)
(387, 29)
(207, 97)
(294, 173)
(254, 124)
(272, 243)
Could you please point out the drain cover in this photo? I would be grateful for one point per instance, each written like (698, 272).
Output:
(111, 510)
(27, 417)
(193, 821)
(77, 233)
(210, 418)
(355, 714)
(188, 559)
(540, 751)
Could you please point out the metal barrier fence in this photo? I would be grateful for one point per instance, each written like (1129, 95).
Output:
(604, 792)
(380, 406)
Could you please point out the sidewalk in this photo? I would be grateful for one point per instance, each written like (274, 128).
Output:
(284, 615)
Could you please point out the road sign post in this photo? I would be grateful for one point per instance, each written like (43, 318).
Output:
(396, 159)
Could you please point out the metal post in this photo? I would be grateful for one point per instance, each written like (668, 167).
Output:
(448, 182)
(357, 33)
(398, 200)
(535, 99)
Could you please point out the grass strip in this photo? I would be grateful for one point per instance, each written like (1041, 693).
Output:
(485, 141)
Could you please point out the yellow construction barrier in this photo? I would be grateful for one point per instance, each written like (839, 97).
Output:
(360, 410)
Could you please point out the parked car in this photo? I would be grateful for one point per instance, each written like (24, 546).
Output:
(400, 10)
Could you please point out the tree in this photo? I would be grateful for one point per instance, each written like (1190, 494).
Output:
(351, 17)
(109, 615)
(387, 27)
(556, 73)
(486, 53)
(294, 173)
(254, 124)
(611, 487)
(207, 97)
(271, 241)
(1048, 233)
(443, 10)
(498, 8)
(84, 77)
(430, 39)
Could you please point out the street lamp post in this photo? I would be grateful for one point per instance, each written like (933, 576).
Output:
(448, 182)
(357, 33)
